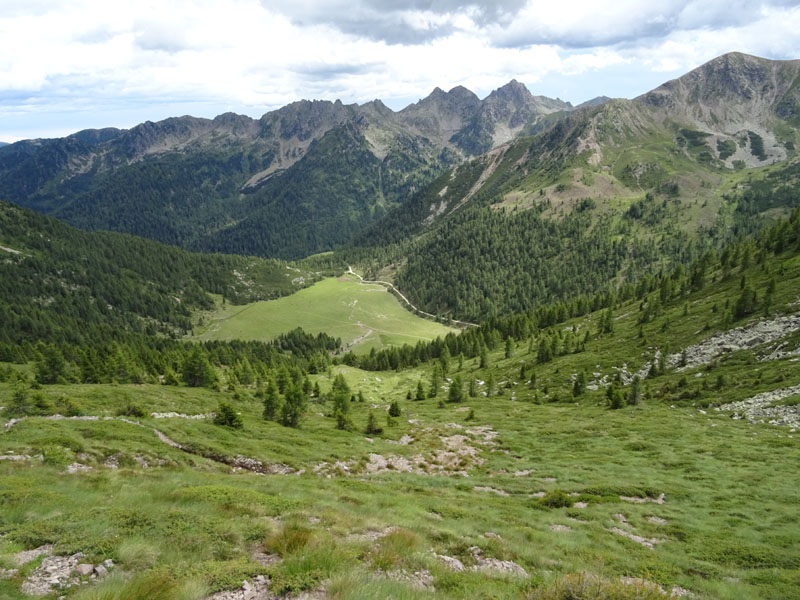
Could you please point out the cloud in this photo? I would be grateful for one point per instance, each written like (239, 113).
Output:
(398, 21)
(590, 24)
(98, 59)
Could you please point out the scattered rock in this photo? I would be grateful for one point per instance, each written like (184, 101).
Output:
(100, 571)
(494, 565)
(257, 590)
(523, 473)
(492, 535)
(450, 562)
(675, 592)
(8, 573)
(78, 468)
(419, 580)
(370, 536)
(740, 338)
(257, 466)
(174, 415)
(55, 573)
(112, 462)
(403, 441)
(758, 409)
(84, 569)
(646, 542)
(265, 559)
(557, 527)
(657, 520)
(26, 556)
(580, 505)
(15, 457)
(638, 500)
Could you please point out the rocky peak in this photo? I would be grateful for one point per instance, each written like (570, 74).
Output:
(732, 82)
(512, 92)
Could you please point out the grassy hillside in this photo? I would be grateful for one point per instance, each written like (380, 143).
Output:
(364, 316)
(537, 485)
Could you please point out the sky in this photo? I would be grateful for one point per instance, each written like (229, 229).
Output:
(67, 65)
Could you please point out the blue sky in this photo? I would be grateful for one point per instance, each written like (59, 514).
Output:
(67, 65)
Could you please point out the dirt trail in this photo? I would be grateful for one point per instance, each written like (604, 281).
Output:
(406, 300)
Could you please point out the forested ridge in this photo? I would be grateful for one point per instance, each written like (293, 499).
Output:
(61, 284)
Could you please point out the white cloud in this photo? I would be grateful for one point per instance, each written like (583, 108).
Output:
(255, 55)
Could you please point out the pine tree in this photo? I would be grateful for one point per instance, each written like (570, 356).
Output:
(196, 370)
(272, 401)
(436, 381)
(372, 425)
(635, 395)
(444, 359)
(51, 368)
(509, 347)
(456, 392)
(579, 386)
(490, 384)
(294, 406)
(420, 392)
(473, 388)
(614, 397)
(394, 409)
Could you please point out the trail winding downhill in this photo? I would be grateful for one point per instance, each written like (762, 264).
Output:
(406, 300)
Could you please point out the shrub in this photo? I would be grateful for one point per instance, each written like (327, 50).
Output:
(132, 410)
(556, 499)
(227, 417)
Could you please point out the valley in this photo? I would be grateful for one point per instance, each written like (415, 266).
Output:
(365, 316)
(499, 348)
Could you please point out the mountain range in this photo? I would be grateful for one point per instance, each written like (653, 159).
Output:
(622, 184)
(207, 184)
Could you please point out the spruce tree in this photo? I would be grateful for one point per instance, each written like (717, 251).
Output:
(272, 401)
(372, 425)
(456, 392)
(294, 406)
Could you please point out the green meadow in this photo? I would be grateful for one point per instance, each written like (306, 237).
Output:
(590, 502)
(364, 316)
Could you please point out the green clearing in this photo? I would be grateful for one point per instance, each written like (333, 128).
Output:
(364, 316)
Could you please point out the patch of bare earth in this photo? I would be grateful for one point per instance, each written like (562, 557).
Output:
(454, 456)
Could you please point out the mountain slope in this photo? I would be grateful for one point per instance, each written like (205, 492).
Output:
(655, 180)
(61, 284)
(211, 184)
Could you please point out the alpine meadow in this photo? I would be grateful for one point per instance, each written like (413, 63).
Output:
(502, 348)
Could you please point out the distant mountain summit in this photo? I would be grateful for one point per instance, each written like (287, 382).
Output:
(210, 184)
(311, 175)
